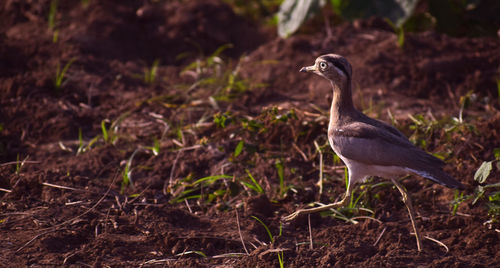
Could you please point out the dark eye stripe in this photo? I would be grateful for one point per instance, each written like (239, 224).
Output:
(337, 64)
(341, 67)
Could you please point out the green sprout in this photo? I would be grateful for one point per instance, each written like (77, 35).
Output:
(109, 134)
(458, 198)
(255, 186)
(221, 119)
(81, 145)
(201, 188)
(359, 202)
(20, 164)
(150, 73)
(127, 173)
(482, 191)
(155, 149)
(399, 31)
(271, 237)
(219, 77)
(60, 74)
(191, 252)
(280, 169)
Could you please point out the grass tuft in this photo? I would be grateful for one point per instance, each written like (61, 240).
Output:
(271, 237)
(61, 74)
(150, 73)
(255, 186)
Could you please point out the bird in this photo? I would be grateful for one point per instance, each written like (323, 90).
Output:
(370, 147)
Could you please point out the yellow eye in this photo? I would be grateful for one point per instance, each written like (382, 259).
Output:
(323, 65)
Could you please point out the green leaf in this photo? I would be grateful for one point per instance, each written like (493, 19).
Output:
(220, 119)
(496, 152)
(494, 196)
(239, 148)
(483, 172)
(398, 11)
(293, 13)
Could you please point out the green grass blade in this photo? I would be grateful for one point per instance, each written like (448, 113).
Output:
(257, 185)
(191, 252)
(52, 14)
(265, 227)
(104, 131)
(156, 147)
(80, 142)
(239, 148)
(212, 179)
(60, 74)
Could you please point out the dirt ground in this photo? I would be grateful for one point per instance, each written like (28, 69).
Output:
(68, 208)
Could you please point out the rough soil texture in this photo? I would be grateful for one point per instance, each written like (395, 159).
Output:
(64, 208)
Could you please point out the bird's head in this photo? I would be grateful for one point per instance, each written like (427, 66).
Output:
(332, 67)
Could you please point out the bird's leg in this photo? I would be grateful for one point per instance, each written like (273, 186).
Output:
(341, 203)
(409, 205)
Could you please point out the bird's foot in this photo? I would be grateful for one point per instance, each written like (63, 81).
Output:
(299, 212)
(292, 216)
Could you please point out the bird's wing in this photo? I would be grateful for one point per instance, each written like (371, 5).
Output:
(384, 126)
(372, 145)
(376, 145)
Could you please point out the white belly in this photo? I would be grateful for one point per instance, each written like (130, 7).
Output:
(359, 172)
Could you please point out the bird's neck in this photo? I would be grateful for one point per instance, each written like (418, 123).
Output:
(342, 107)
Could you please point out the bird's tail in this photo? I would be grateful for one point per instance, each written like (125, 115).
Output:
(439, 176)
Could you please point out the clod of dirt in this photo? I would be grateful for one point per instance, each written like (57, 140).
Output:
(258, 206)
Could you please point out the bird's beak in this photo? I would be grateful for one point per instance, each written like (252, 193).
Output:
(308, 69)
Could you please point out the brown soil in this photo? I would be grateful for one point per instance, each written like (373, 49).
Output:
(91, 222)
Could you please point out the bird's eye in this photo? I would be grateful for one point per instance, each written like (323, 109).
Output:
(323, 65)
